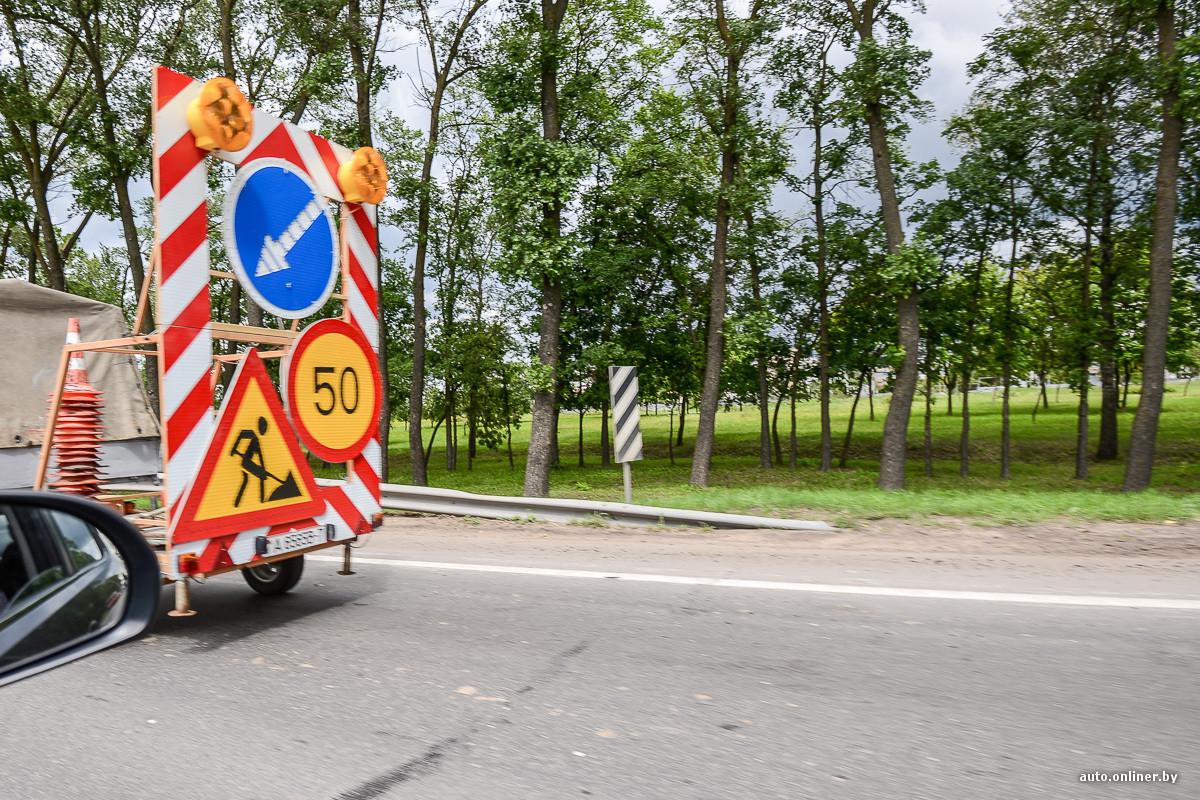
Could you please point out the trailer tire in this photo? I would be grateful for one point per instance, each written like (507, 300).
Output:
(276, 577)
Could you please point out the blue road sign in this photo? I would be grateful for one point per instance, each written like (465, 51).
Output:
(281, 238)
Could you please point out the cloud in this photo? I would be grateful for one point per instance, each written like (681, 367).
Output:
(953, 33)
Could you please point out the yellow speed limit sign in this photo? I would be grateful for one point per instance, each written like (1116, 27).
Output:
(332, 389)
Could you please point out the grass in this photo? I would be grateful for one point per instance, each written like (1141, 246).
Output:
(1041, 487)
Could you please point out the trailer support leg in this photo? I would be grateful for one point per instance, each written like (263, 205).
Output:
(345, 570)
(183, 600)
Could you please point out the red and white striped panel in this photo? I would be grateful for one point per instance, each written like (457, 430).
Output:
(184, 314)
(360, 250)
(180, 178)
(275, 138)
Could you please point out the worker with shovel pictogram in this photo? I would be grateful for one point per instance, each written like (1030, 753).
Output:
(254, 466)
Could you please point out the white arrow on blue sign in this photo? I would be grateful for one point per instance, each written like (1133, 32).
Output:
(281, 238)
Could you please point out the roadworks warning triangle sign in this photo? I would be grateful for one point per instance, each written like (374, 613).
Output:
(254, 473)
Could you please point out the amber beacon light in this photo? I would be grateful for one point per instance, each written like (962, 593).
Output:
(363, 179)
(221, 118)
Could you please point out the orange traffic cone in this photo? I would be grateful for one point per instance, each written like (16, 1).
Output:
(77, 431)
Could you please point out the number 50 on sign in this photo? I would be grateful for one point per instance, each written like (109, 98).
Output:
(332, 389)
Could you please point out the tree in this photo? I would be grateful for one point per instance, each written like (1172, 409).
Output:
(292, 59)
(1142, 439)
(885, 74)
(648, 234)
(995, 176)
(859, 324)
(1071, 73)
(368, 77)
(965, 223)
(116, 39)
(719, 49)
(810, 93)
(445, 39)
(755, 247)
(46, 108)
(556, 82)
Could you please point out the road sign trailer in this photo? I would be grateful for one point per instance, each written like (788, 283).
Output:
(223, 507)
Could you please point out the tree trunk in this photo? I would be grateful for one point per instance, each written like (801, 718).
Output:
(822, 285)
(764, 432)
(605, 457)
(928, 443)
(134, 251)
(792, 440)
(1106, 446)
(951, 382)
(1081, 433)
(711, 392)
(472, 421)
(895, 426)
(1085, 377)
(363, 58)
(543, 435)
(715, 344)
(1085, 297)
(51, 252)
(964, 436)
(775, 430)
(850, 425)
(119, 175)
(555, 453)
(671, 435)
(1142, 438)
(904, 387)
(871, 395)
(33, 260)
(1005, 427)
(682, 416)
(541, 429)
(235, 318)
(227, 39)
(451, 429)
(416, 394)
(433, 437)
(581, 437)
(508, 423)
(363, 61)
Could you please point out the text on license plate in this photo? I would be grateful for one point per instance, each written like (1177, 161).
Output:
(294, 540)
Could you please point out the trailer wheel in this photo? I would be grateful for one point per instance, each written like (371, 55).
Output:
(276, 577)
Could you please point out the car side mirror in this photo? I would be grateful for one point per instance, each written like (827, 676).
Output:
(75, 578)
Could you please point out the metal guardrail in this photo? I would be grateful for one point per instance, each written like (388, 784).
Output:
(449, 501)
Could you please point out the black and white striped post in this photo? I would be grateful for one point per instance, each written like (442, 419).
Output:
(623, 388)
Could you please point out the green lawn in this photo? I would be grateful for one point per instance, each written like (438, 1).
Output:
(1042, 486)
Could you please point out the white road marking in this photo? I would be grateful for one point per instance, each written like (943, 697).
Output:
(825, 588)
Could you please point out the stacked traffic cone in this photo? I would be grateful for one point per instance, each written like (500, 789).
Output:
(77, 429)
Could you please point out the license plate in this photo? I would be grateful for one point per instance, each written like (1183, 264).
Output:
(292, 540)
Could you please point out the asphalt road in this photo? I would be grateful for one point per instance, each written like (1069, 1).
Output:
(400, 682)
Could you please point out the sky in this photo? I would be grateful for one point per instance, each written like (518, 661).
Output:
(952, 30)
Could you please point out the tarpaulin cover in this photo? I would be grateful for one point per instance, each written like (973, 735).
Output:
(33, 328)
